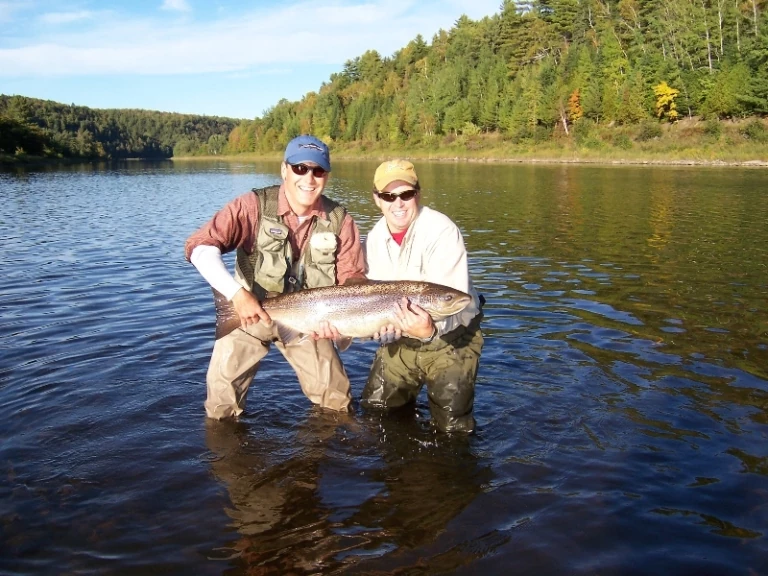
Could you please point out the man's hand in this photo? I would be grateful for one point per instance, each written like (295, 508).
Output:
(327, 330)
(414, 321)
(388, 334)
(248, 309)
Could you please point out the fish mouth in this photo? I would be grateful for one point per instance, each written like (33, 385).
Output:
(457, 305)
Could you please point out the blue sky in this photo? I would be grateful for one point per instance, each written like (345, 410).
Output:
(217, 57)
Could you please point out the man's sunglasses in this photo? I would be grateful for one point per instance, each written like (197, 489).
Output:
(404, 196)
(301, 169)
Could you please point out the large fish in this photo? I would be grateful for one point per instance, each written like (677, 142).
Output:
(355, 310)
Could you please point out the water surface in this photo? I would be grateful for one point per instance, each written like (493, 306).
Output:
(621, 399)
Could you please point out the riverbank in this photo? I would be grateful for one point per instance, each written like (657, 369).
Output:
(690, 142)
(519, 159)
(381, 155)
(423, 156)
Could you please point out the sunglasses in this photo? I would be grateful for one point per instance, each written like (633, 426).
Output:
(301, 169)
(404, 196)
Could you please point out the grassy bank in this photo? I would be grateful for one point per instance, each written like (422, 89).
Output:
(688, 142)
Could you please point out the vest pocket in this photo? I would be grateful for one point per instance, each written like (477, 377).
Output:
(322, 255)
(273, 247)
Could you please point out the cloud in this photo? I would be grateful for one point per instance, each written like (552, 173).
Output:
(177, 5)
(65, 17)
(323, 33)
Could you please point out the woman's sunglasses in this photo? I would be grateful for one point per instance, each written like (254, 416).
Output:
(404, 196)
(301, 169)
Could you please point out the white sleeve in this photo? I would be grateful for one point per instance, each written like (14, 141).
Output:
(208, 261)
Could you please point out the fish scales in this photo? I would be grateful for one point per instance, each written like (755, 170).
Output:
(356, 315)
(355, 310)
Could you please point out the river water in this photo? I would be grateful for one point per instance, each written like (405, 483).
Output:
(622, 397)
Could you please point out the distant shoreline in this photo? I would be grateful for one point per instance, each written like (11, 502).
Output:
(10, 161)
(753, 163)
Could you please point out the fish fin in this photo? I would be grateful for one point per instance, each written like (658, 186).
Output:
(356, 280)
(343, 343)
(288, 335)
(227, 320)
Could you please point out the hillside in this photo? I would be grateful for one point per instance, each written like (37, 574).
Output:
(43, 128)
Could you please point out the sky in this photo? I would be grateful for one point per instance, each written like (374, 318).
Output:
(211, 57)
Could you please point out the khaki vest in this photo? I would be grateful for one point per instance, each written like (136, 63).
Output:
(271, 267)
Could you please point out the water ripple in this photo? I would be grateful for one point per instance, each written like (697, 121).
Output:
(622, 388)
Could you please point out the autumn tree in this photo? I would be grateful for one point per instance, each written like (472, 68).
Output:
(665, 101)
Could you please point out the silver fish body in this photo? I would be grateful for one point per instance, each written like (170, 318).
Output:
(355, 310)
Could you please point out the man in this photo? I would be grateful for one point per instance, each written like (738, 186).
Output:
(287, 238)
(414, 242)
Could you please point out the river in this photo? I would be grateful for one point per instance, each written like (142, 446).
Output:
(621, 402)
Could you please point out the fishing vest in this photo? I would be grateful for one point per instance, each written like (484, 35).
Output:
(271, 266)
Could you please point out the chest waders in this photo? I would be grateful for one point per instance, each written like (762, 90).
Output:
(273, 267)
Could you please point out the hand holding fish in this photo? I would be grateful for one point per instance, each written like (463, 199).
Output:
(355, 311)
(414, 320)
(326, 330)
(249, 309)
(388, 334)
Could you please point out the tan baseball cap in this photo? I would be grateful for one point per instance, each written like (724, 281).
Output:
(392, 170)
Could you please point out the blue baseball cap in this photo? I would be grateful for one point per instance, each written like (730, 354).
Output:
(306, 148)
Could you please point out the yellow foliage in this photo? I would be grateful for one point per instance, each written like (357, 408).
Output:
(665, 101)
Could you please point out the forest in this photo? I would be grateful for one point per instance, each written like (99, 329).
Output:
(592, 73)
(42, 128)
(585, 74)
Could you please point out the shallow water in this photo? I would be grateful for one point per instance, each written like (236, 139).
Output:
(621, 400)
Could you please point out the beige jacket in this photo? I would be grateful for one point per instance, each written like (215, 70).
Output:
(433, 250)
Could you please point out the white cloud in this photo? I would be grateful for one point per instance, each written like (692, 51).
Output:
(318, 33)
(177, 5)
(65, 17)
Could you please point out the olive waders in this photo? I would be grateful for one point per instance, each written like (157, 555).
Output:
(447, 365)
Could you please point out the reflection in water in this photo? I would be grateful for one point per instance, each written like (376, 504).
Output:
(621, 402)
(319, 504)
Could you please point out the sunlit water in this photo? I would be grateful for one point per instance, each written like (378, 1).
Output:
(621, 401)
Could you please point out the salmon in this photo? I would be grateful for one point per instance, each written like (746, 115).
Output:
(355, 310)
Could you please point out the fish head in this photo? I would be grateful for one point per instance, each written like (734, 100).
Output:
(442, 301)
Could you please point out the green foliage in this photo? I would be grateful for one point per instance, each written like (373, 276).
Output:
(585, 134)
(713, 128)
(622, 141)
(538, 70)
(728, 93)
(45, 128)
(19, 138)
(755, 131)
(648, 130)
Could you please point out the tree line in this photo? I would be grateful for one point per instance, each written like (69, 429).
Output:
(536, 71)
(49, 129)
(541, 70)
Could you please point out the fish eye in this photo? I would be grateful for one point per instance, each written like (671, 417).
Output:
(448, 297)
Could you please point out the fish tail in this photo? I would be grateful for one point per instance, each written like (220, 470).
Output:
(227, 319)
